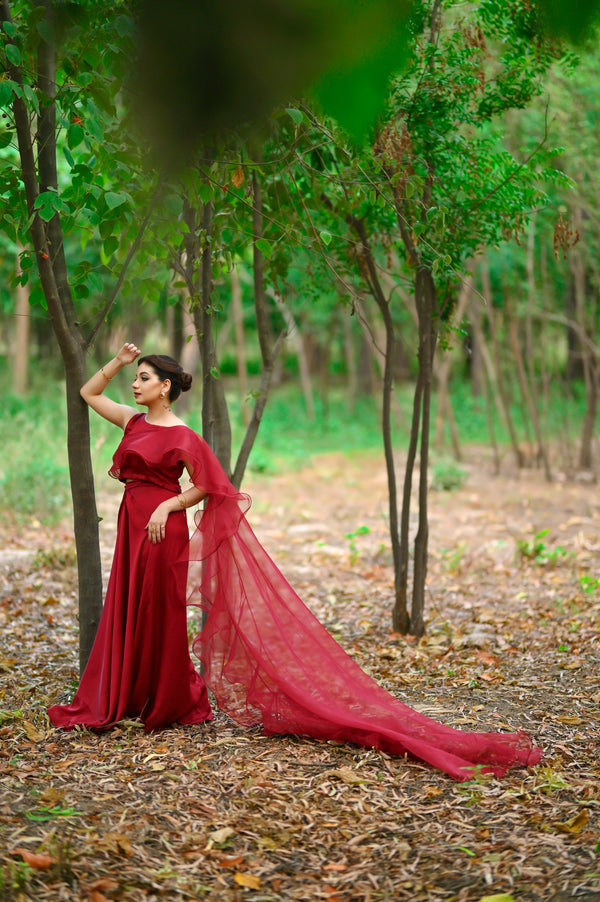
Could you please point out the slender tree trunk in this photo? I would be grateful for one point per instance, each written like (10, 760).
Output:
(48, 247)
(240, 344)
(586, 457)
(502, 391)
(269, 348)
(216, 427)
(442, 374)
(526, 393)
(488, 382)
(400, 620)
(425, 296)
(477, 369)
(20, 362)
(351, 365)
(588, 358)
(574, 368)
(294, 337)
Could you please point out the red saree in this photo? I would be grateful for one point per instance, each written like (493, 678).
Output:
(267, 659)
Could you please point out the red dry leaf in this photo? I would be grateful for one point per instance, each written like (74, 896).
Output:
(238, 177)
(40, 862)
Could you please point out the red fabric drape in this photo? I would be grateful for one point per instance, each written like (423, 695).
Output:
(267, 659)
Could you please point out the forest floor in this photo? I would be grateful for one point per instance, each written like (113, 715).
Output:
(220, 813)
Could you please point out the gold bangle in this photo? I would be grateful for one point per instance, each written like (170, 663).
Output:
(181, 500)
(108, 378)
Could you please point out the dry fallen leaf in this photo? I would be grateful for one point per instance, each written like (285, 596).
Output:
(349, 776)
(32, 731)
(229, 861)
(40, 862)
(249, 880)
(219, 836)
(575, 824)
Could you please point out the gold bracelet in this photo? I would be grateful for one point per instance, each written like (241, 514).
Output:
(108, 378)
(181, 500)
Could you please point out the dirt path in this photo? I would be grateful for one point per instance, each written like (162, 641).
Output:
(214, 812)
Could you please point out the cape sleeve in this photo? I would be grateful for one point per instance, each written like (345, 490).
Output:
(269, 661)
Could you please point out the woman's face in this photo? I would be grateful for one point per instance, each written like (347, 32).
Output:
(147, 385)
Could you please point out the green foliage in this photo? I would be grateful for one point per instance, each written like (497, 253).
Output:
(589, 584)
(34, 476)
(354, 548)
(447, 475)
(536, 550)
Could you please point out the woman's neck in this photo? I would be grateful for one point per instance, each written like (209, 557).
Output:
(160, 413)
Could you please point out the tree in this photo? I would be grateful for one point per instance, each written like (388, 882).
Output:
(63, 68)
(437, 184)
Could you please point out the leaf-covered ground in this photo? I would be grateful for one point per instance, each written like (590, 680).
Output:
(216, 812)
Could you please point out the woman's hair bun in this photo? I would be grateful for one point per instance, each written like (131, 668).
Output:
(186, 381)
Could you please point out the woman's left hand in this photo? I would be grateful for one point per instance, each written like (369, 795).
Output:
(157, 524)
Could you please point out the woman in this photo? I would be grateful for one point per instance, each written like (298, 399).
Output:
(267, 659)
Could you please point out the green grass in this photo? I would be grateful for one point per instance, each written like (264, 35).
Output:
(34, 479)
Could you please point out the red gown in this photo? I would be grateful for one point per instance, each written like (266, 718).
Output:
(267, 659)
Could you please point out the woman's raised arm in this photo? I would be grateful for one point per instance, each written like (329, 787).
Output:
(92, 391)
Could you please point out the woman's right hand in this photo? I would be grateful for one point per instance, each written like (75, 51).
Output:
(128, 354)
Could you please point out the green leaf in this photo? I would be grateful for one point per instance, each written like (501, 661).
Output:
(110, 245)
(174, 204)
(206, 193)
(47, 204)
(75, 135)
(114, 199)
(106, 228)
(265, 247)
(325, 236)
(6, 92)
(13, 54)
(297, 116)
(69, 157)
(5, 139)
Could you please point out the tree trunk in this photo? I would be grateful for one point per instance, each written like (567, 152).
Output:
(400, 620)
(269, 348)
(442, 373)
(586, 457)
(425, 297)
(216, 427)
(502, 391)
(574, 369)
(526, 393)
(240, 344)
(296, 341)
(351, 367)
(20, 362)
(48, 247)
(588, 358)
(488, 381)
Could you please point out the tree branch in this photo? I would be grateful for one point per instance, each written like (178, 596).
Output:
(126, 263)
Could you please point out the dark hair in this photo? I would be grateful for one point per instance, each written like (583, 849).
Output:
(167, 368)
